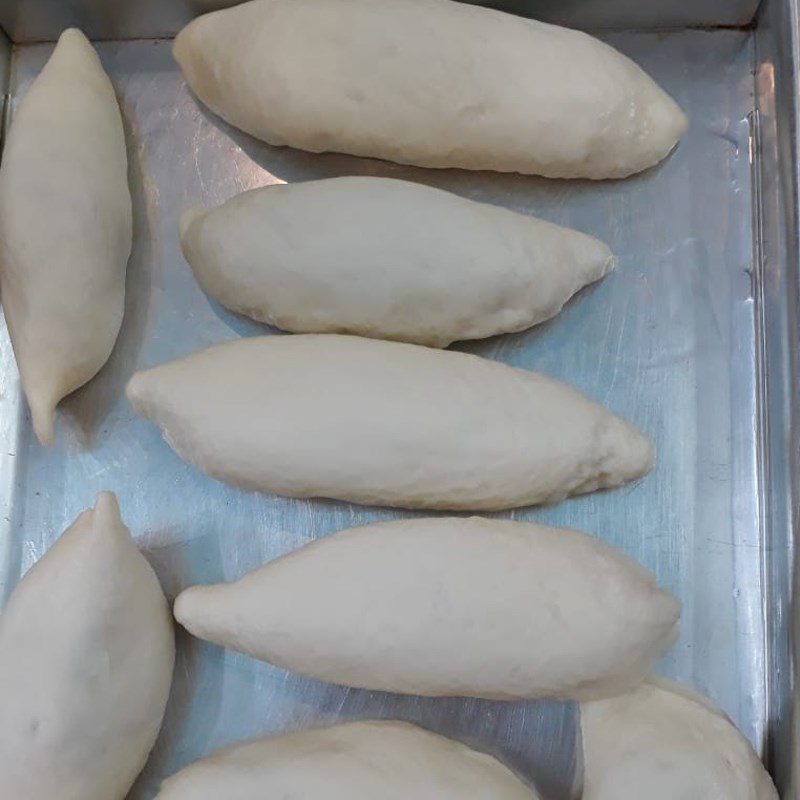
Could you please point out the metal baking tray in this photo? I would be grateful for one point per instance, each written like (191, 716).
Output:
(694, 338)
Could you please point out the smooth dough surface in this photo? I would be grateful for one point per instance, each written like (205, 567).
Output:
(385, 423)
(86, 657)
(387, 259)
(65, 227)
(357, 761)
(664, 742)
(433, 83)
(441, 607)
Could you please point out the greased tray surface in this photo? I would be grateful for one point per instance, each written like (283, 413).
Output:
(667, 341)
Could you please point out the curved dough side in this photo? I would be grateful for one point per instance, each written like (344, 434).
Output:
(65, 227)
(86, 657)
(447, 607)
(387, 259)
(357, 761)
(385, 423)
(664, 742)
(497, 92)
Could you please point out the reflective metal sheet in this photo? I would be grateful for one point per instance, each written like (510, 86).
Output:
(667, 341)
(776, 286)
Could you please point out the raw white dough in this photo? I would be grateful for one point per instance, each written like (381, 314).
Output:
(358, 761)
(429, 82)
(65, 227)
(385, 423)
(663, 742)
(465, 607)
(388, 259)
(86, 656)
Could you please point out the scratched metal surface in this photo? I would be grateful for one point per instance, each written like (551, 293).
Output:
(668, 341)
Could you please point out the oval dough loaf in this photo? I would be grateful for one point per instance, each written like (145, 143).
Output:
(86, 656)
(429, 82)
(440, 607)
(65, 227)
(388, 259)
(385, 423)
(663, 742)
(357, 761)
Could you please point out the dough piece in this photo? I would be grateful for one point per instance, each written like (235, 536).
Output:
(65, 228)
(387, 259)
(86, 656)
(385, 423)
(439, 607)
(663, 742)
(357, 761)
(429, 82)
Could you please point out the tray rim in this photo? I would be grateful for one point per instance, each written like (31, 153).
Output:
(30, 21)
(776, 127)
(777, 178)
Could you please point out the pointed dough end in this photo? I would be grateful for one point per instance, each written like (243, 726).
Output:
(609, 265)
(75, 47)
(596, 263)
(587, 258)
(106, 521)
(43, 413)
(136, 391)
(205, 612)
(189, 216)
(185, 609)
(631, 454)
(668, 122)
(179, 607)
(74, 36)
(106, 510)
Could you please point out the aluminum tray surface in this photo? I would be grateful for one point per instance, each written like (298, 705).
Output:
(667, 341)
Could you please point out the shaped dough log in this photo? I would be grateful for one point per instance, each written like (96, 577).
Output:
(663, 742)
(477, 608)
(86, 655)
(65, 227)
(357, 761)
(429, 82)
(387, 259)
(385, 423)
